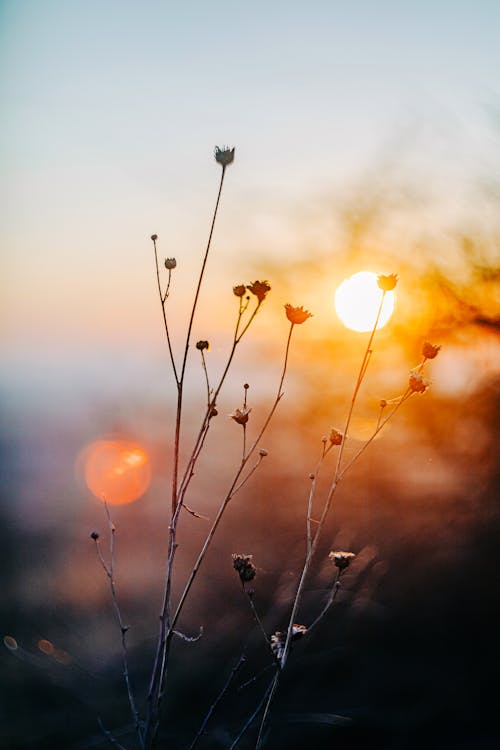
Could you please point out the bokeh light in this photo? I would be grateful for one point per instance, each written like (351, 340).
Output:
(116, 470)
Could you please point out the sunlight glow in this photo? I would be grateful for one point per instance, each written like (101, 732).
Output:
(357, 300)
(117, 471)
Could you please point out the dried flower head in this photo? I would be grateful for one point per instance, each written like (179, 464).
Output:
(387, 283)
(241, 415)
(201, 345)
(239, 290)
(213, 411)
(297, 315)
(335, 437)
(298, 631)
(263, 453)
(278, 640)
(170, 263)
(94, 536)
(417, 383)
(260, 289)
(154, 237)
(224, 156)
(341, 559)
(244, 566)
(430, 351)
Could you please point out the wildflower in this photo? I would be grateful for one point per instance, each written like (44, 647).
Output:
(170, 263)
(335, 437)
(94, 536)
(241, 415)
(430, 351)
(417, 383)
(260, 289)
(154, 237)
(244, 567)
(341, 559)
(298, 631)
(297, 315)
(263, 453)
(201, 345)
(239, 290)
(224, 156)
(278, 640)
(387, 283)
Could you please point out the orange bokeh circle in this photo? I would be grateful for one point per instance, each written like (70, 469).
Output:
(116, 470)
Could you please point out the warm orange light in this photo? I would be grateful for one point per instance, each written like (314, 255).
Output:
(117, 471)
(357, 300)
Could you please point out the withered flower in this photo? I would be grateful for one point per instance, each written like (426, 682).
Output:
(201, 345)
(241, 415)
(239, 290)
(244, 566)
(417, 383)
(170, 263)
(335, 437)
(260, 289)
(263, 453)
(430, 351)
(154, 237)
(94, 536)
(224, 156)
(341, 559)
(298, 631)
(297, 315)
(387, 283)
(278, 640)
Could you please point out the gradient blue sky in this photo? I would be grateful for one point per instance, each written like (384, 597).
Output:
(111, 110)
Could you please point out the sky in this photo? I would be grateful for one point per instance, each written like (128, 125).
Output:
(111, 111)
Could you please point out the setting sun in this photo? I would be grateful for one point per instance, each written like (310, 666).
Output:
(117, 471)
(357, 301)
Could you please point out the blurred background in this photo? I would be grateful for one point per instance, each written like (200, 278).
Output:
(366, 139)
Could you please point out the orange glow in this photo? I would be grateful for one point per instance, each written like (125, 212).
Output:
(117, 471)
(357, 300)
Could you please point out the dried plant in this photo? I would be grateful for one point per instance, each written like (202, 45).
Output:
(250, 298)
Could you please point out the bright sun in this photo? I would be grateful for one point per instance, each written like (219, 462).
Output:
(357, 300)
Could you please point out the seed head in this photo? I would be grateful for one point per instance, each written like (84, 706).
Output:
(224, 156)
(430, 351)
(335, 437)
(244, 566)
(239, 290)
(241, 415)
(297, 315)
(387, 283)
(263, 453)
(94, 536)
(260, 289)
(154, 237)
(201, 345)
(417, 383)
(341, 559)
(170, 263)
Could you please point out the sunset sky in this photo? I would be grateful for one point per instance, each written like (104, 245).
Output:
(111, 111)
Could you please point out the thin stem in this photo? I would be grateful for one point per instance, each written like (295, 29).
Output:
(331, 599)
(232, 488)
(200, 279)
(109, 735)
(218, 699)
(270, 695)
(123, 628)
(163, 299)
(256, 616)
(359, 380)
(254, 713)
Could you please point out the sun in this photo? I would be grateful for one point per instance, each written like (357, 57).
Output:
(116, 470)
(357, 300)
